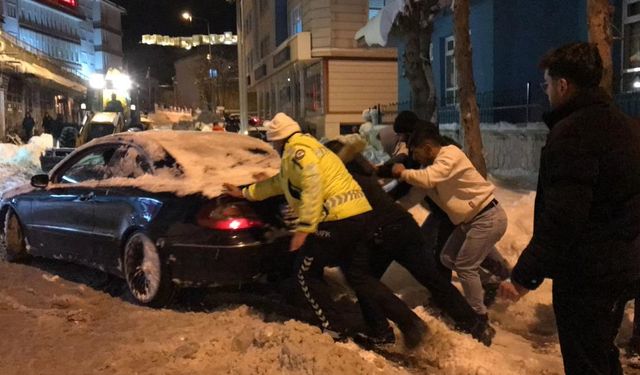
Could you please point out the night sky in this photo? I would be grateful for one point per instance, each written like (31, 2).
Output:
(163, 17)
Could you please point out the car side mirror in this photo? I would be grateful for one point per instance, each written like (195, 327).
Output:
(40, 180)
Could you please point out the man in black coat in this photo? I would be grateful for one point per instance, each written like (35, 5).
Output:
(586, 234)
(397, 238)
(27, 126)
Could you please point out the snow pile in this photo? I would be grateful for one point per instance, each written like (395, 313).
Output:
(19, 163)
(237, 340)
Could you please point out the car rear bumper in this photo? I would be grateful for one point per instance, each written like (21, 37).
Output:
(204, 265)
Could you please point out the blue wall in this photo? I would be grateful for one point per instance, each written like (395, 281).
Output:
(509, 37)
(525, 30)
(482, 40)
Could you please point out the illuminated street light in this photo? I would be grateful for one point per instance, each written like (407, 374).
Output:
(636, 83)
(97, 81)
(186, 15)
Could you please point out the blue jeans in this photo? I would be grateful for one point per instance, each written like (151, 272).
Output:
(469, 244)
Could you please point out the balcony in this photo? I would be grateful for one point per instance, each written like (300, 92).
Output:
(105, 26)
(58, 34)
(109, 49)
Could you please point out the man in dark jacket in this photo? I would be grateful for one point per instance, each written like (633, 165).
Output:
(27, 126)
(397, 238)
(437, 228)
(47, 123)
(586, 234)
(114, 105)
(56, 129)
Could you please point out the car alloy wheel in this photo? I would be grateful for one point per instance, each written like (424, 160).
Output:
(146, 277)
(15, 243)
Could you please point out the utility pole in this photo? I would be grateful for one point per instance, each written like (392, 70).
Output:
(242, 69)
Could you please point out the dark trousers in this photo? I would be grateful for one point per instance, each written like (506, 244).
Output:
(402, 242)
(437, 229)
(343, 242)
(588, 319)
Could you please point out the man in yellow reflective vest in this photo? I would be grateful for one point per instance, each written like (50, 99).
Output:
(333, 214)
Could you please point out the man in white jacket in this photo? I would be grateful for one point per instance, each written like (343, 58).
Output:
(454, 184)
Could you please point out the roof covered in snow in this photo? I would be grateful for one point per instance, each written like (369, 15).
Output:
(376, 31)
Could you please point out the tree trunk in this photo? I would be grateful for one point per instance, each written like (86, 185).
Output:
(417, 26)
(415, 74)
(599, 15)
(469, 113)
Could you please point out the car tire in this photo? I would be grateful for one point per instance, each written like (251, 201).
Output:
(147, 278)
(14, 242)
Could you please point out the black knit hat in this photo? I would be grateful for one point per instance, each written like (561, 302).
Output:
(405, 122)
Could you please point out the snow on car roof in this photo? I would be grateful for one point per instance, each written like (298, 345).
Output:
(206, 159)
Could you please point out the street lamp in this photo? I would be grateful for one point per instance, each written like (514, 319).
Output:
(187, 16)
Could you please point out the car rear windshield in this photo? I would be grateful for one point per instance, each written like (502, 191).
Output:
(99, 130)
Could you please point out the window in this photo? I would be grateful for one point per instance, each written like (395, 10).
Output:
(633, 9)
(295, 22)
(631, 46)
(313, 89)
(92, 166)
(375, 6)
(450, 76)
(127, 162)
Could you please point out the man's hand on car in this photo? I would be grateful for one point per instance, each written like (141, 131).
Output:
(233, 190)
(397, 170)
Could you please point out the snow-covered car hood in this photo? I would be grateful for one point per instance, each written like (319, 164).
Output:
(204, 160)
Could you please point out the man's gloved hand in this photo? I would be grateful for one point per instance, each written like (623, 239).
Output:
(511, 290)
(297, 241)
(397, 170)
(233, 190)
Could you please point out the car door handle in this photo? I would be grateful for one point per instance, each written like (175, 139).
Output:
(86, 197)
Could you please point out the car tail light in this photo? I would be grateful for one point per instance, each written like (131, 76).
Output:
(228, 216)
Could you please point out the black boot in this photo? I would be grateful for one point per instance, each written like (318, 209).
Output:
(482, 331)
(413, 333)
(369, 339)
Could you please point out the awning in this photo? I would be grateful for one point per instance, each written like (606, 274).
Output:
(376, 31)
(42, 72)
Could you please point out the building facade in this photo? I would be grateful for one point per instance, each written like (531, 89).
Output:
(302, 59)
(52, 49)
(508, 40)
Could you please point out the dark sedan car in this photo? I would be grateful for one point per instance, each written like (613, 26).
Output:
(149, 207)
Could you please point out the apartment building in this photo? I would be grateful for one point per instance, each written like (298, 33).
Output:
(302, 59)
(50, 48)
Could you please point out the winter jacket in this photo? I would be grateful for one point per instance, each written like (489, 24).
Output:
(385, 209)
(315, 183)
(454, 184)
(587, 209)
(27, 126)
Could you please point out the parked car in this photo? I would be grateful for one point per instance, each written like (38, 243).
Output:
(148, 207)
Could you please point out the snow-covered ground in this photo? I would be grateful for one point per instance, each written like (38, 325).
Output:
(55, 320)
